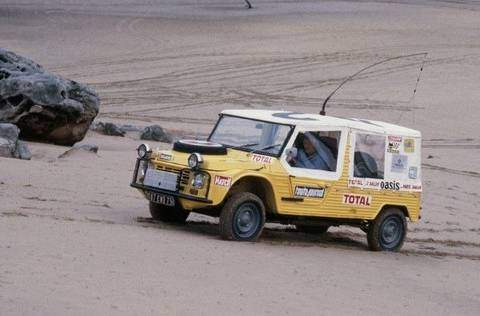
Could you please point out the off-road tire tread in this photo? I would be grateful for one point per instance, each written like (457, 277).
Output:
(186, 147)
(168, 214)
(373, 232)
(227, 215)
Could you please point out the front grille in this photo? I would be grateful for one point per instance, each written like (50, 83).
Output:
(169, 169)
(184, 177)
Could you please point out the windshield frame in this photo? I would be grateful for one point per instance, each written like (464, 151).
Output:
(280, 152)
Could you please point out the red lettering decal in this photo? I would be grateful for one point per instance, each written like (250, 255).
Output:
(362, 200)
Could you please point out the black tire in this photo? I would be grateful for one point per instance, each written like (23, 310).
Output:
(199, 146)
(315, 230)
(387, 232)
(168, 214)
(242, 217)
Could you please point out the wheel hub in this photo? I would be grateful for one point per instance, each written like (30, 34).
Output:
(391, 232)
(247, 219)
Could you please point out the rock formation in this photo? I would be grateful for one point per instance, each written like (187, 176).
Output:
(44, 106)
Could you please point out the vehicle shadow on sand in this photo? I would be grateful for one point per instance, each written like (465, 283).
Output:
(278, 235)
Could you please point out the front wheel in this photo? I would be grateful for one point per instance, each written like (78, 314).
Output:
(242, 218)
(168, 214)
(387, 232)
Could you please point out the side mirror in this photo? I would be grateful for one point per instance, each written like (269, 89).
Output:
(291, 153)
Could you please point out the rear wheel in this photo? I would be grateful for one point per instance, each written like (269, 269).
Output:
(242, 218)
(316, 230)
(168, 214)
(387, 232)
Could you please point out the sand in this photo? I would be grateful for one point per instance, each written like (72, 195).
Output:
(76, 239)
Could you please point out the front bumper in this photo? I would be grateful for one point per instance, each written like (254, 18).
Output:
(172, 193)
(146, 188)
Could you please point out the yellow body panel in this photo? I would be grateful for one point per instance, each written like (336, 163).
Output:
(234, 166)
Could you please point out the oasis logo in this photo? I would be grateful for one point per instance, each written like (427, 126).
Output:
(390, 185)
(222, 181)
(357, 199)
(309, 192)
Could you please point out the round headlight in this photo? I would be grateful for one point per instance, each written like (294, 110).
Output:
(195, 160)
(198, 181)
(143, 150)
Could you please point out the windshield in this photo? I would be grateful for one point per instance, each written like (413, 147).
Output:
(250, 135)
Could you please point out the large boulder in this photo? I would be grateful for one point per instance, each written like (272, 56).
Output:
(10, 146)
(44, 106)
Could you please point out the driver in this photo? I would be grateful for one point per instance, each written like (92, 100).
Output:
(314, 155)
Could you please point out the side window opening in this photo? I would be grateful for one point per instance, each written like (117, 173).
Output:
(369, 156)
(316, 150)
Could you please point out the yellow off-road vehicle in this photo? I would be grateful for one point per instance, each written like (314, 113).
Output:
(307, 170)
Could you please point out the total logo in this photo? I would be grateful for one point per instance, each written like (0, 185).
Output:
(261, 159)
(357, 199)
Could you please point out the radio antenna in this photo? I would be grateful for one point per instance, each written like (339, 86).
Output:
(322, 112)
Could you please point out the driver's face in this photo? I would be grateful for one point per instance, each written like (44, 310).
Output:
(307, 146)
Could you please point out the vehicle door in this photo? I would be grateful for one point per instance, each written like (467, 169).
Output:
(314, 161)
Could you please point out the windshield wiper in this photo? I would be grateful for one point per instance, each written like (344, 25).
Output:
(248, 145)
(270, 147)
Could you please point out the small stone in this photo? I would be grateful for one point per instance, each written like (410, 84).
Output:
(10, 146)
(109, 129)
(156, 133)
(22, 151)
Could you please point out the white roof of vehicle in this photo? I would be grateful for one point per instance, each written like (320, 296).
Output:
(309, 120)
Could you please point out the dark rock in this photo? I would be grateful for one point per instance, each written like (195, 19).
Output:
(130, 128)
(108, 129)
(10, 146)
(80, 148)
(429, 157)
(44, 106)
(156, 133)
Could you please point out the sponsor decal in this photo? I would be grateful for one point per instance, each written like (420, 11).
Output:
(165, 156)
(261, 159)
(390, 185)
(412, 172)
(357, 199)
(309, 192)
(379, 184)
(399, 163)
(409, 145)
(396, 139)
(393, 147)
(223, 181)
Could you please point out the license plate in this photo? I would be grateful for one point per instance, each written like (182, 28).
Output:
(162, 199)
(161, 179)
